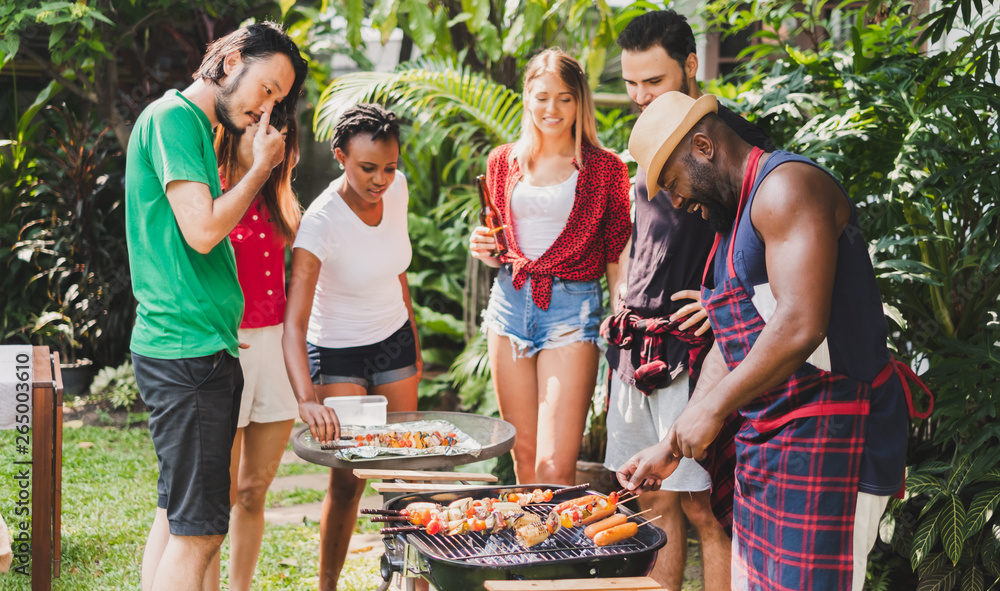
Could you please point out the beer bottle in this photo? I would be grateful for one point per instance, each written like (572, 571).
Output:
(489, 216)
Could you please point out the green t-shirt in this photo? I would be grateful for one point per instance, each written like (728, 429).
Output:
(190, 304)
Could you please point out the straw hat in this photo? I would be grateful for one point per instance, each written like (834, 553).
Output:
(661, 127)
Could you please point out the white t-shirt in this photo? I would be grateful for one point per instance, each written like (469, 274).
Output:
(540, 214)
(358, 300)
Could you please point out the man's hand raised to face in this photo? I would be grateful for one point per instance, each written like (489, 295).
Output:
(268, 143)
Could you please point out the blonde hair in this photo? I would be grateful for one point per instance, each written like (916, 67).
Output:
(568, 70)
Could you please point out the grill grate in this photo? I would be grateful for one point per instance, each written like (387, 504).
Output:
(502, 549)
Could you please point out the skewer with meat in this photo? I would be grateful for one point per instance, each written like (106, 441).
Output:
(459, 517)
(480, 507)
(538, 495)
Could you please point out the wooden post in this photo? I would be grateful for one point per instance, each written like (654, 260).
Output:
(46, 457)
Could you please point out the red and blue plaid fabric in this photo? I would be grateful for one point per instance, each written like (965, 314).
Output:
(797, 459)
(720, 463)
(627, 329)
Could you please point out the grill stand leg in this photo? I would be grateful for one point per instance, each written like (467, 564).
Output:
(407, 583)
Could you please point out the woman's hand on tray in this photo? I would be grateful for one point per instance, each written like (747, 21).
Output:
(324, 426)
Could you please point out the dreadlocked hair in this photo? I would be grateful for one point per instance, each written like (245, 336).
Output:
(368, 118)
(283, 206)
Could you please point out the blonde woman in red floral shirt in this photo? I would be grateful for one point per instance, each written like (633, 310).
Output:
(564, 204)
(268, 407)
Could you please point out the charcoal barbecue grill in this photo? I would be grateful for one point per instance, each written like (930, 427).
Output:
(464, 562)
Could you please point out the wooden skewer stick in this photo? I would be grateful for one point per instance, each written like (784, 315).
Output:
(379, 512)
(386, 518)
(583, 486)
(401, 530)
(626, 497)
(640, 513)
(651, 520)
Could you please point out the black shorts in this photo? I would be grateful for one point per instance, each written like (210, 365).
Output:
(391, 360)
(194, 405)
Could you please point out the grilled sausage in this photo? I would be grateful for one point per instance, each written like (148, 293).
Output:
(616, 534)
(595, 528)
(600, 514)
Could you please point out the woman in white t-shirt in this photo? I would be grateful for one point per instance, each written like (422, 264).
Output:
(349, 327)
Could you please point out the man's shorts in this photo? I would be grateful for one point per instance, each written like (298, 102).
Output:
(194, 405)
(637, 421)
(267, 393)
(385, 362)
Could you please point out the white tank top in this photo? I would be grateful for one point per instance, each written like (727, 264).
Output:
(540, 214)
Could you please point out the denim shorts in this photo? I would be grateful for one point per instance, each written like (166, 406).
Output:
(387, 361)
(574, 314)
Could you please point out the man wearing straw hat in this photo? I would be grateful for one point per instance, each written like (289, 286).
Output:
(801, 353)
(658, 337)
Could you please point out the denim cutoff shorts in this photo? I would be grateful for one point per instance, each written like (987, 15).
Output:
(574, 314)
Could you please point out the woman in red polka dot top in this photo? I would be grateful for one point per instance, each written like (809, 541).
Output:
(564, 205)
(268, 407)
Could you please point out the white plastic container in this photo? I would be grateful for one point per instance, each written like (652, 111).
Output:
(366, 411)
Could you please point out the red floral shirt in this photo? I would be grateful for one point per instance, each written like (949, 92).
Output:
(595, 233)
(260, 266)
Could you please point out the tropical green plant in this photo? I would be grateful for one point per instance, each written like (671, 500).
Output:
(71, 232)
(614, 126)
(115, 387)
(913, 136)
(158, 40)
(495, 37)
(437, 95)
(20, 161)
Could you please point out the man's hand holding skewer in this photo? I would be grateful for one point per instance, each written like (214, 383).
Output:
(647, 469)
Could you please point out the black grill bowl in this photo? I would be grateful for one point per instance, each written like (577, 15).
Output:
(461, 563)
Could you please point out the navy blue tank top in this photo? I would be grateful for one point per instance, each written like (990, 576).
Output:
(855, 345)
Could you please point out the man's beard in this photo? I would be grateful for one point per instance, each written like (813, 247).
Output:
(706, 190)
(685, 88)
(223, 105)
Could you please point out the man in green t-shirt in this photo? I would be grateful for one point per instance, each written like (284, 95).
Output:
(184, 344)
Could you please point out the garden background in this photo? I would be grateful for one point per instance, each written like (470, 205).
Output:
(907, 123)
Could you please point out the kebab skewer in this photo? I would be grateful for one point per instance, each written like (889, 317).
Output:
(582, 511)
(536, 496)
(528, 528)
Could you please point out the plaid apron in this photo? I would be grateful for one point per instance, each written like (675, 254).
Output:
(798, 454)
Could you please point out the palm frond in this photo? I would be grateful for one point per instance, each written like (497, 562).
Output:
(430, 92)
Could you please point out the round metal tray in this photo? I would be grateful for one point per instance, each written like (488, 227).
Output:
(494, 435)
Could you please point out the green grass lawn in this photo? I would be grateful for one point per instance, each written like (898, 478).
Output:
(109, 497)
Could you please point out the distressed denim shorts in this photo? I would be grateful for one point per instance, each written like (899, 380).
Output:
(574, 314)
